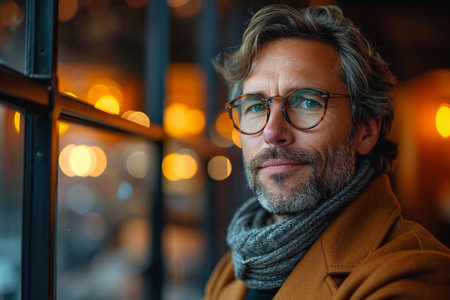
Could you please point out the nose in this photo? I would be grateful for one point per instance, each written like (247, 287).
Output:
(278, 131)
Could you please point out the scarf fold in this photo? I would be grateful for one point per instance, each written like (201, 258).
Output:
(264, 254)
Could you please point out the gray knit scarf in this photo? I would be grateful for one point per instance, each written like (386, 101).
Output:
(264, 255)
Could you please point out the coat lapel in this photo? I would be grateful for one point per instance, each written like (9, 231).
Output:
(356, 232)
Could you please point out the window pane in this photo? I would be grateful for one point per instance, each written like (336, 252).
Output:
(11, 185)
(12, 34)
(105, 185)
(101, 51)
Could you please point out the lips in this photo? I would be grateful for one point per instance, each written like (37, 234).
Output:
(279, 160)
(279, 165)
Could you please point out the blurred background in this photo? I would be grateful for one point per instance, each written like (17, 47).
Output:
(105, 179)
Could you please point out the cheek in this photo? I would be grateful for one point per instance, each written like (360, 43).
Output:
(249, 147)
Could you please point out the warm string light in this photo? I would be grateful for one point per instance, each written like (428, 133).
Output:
(442, 120)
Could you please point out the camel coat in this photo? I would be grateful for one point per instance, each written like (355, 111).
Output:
(368, 252)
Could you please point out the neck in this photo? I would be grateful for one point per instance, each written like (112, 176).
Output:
(281, 218)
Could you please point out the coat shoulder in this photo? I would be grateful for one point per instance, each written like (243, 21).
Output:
(410, 263)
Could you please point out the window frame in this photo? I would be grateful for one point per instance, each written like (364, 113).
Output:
(36, 94)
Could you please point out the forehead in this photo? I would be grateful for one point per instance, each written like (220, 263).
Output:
(286, 64)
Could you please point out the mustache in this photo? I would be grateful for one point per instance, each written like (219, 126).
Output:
(301, 156)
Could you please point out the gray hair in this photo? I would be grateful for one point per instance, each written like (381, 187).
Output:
(365, 74)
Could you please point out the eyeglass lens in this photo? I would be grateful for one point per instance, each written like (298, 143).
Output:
(304, 108)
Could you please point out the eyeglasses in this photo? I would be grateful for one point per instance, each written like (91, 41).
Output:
(303, 108)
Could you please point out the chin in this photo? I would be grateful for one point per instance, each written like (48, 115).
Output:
(288, 203)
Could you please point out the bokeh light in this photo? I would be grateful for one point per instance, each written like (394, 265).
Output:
(101, 162)
(219, 167)
(82, 160)
(176, 166)
(96, 92)
(236, 137)
(62, 127)
(223, 126)
(185, 8)
(189, 166)
(137, 164)
(177, 3)
(195, 121)
(67, 9)
(443, 120)
(109, 104)
(124, 190)
(175, 119)
(64, 160)
(137, 117)
(102, 87)
(11, 14)
(180, 120)
(17, 118)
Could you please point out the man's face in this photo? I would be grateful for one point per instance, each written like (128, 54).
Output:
(290, 169)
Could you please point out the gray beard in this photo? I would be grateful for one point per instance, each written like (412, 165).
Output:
(337, 171)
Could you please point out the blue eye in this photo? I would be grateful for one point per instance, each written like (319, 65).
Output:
(306, 100)
(257, 108)
(308, 104)
(252, 106)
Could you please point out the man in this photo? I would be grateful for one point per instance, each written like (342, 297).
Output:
(311, 99)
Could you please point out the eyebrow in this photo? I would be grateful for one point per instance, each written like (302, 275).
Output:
(258, 93)
(263, 94)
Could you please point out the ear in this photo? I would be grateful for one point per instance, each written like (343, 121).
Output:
(367, 137)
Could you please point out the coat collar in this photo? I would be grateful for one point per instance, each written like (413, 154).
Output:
(361, 227)
(357, 231)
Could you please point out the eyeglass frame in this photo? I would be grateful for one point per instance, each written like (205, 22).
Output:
(324, 94)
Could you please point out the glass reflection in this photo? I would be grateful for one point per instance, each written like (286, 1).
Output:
(11, 203)
(103, 217)
(12, 34)
(100, 53)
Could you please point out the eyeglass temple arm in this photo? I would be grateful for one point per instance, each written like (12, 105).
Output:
(337, 95)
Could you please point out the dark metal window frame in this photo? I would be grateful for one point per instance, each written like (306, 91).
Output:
(36, 94)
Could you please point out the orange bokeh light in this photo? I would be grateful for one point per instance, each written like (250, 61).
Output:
(101, 162)
(219, 168)
(17, 117)
(109, 104)
(195, 121)
(180, 120)
(443, 120)
(67, 9)
(223, 126)
(236, 137)
(177, 166)
(82, 160)
(11, 14)
(137, 117)
(62, 127)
